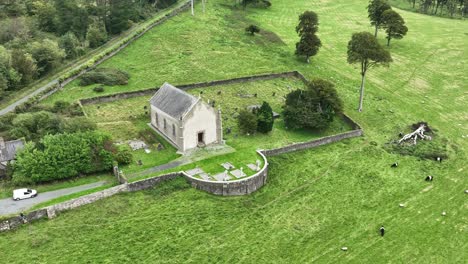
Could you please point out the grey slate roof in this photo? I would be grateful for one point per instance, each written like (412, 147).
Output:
(173, 101)
(9, 151)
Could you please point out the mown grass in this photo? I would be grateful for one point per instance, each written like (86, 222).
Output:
(315, 201)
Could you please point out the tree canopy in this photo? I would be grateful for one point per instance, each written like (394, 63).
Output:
(375, 10)
(394, 25)
(363, 48)
(309, 43)
(313, 108)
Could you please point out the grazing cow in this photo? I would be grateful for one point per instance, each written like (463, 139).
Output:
(429, 178)
(439, 159)
(394, 165)
(382, 230)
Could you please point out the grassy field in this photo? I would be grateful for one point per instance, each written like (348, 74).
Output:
(316, 201)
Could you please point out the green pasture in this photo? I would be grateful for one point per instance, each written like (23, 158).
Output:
(315, 201)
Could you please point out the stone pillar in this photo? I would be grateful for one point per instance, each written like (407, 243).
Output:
(219, 127)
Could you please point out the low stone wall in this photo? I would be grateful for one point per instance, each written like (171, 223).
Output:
(87, 199)
(17, 221)
(151, 182)
(231, 188)
(313, 143)
(151, 91)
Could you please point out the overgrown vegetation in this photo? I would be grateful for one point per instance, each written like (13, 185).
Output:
(105, 76)
(37, 36)
(313, 108)
(444, 8)
(64, 156)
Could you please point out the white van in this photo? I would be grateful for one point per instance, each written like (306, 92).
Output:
(20, 194)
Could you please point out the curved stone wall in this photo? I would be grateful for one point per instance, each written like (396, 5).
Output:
(230, 188)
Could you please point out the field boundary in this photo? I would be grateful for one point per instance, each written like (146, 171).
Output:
(186, 87)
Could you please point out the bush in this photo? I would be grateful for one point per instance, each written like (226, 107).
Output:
(63, 156)
(99, 89)
(124, 156)
(265, 118)
(313, 108)
(105, 76)
(252, 29)
(247, 122)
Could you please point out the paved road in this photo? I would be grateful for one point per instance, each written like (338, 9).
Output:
(8, 206)
(11, 107)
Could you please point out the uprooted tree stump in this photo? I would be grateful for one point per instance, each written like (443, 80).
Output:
(422, 127)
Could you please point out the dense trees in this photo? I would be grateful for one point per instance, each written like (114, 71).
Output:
(394, 25)
(452, 8)
(375, 10)
(313, 108)
(63, 156)
(309, 43)
(363, 48)
(37, 35)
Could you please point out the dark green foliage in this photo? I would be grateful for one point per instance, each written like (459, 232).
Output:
(265, 118)
(105, 76)
(124, 156)
(121, 12)
(72, 46)
(363, 48)
(252, 29)
(161, 4)
(247, 122)
(25, 65)
(259, 3)
(313, 108)
(98, 89)
(375, 9)
(309, 44)
(47, 55)
(60, 106)
(33, 126)
(97, 34)
(63, 156)
(394, 25)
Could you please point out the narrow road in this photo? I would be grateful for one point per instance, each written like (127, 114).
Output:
(11, 107)
(8, 206)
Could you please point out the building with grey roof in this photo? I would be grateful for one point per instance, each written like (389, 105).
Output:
(8, 150)
(184, 120)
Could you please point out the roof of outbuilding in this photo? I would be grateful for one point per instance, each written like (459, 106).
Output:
(173, 101)
(9, 151)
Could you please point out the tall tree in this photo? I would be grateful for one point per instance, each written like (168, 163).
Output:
(394, 25)
(363, 48)
(309, 44)
(375, 10)
(265, 118)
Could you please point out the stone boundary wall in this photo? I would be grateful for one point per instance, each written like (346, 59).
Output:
(151, 91)
(231, 188)
(313, 143)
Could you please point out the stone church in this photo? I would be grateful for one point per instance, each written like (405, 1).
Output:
(184, 120)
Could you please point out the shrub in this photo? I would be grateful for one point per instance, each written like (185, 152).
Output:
(252, 29)
(124, 156)
(265, 118)
(98, 89)
(247, 122)
(312, 108)
(63, 156)
(105, 76)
